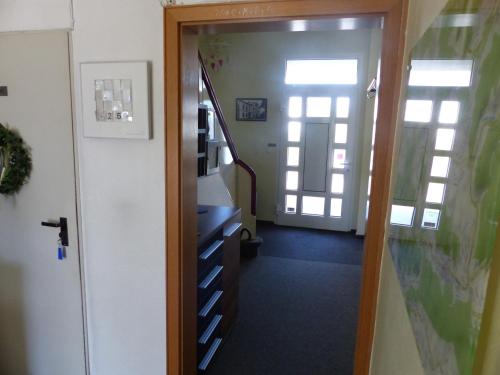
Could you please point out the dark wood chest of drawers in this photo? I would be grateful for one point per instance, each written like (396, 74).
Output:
(218, 274)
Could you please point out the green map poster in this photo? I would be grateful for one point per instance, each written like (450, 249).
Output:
(446, 198)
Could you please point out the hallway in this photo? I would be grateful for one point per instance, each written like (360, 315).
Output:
(298, 305)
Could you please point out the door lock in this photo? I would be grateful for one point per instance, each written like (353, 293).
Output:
(63, 232)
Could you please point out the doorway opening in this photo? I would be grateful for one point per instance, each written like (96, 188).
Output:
(183, 25)
(297, 111)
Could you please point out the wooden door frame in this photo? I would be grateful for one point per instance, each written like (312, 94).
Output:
(181, 85)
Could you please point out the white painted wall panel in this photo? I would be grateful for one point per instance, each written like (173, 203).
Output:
(27, 15)
(122, 198)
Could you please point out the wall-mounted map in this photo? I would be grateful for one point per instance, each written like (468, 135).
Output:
(443, 248)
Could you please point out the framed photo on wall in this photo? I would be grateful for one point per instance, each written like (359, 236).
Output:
(251, 109)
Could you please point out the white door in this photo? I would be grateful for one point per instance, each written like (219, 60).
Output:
(41, 322)
(317, 152)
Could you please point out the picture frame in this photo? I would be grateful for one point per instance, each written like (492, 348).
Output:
(116, 100)
(251, 109)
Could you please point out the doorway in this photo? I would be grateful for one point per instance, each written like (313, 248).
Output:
(181, 94)
(319, 146)
(303, 276)
(41, 308)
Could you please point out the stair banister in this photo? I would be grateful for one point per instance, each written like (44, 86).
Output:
(227, 135)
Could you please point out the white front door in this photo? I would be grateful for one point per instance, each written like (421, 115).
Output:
(41, 319)
(317, 152)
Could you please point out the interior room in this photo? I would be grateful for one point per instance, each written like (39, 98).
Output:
(249, 187)
(297, 102)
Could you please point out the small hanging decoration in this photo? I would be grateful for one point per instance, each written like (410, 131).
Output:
(15, 161)
(216, 54)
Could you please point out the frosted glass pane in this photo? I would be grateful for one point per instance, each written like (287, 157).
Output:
(430, 219)
(435, 193)
(440, 73)
(342, 109)
(341, 133)
(337, 183)
(291, 204)
(336, 207)
(448, 113)
(294, 131)
(313, 206)
(319, 106)
(418, 110)
(339, 158)
(440, 166)
(444, 139)
(295, 106)
(292, 180)
(402, 215)
(293, 156)
(322, 72)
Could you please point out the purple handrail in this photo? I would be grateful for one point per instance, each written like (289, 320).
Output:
(227, 135)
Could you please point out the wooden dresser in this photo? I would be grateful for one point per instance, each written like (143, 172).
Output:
(219, 230)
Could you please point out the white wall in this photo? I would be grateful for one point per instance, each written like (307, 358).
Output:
(394, 348)
(22, 15)
(122, 198)
(255, 67)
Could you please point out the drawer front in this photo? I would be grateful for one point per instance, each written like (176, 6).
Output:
(209, 258)
(209, 335)
(209, 310)
(209, 284)
(209, 355)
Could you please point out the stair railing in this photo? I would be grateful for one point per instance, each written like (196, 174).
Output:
(225, 130)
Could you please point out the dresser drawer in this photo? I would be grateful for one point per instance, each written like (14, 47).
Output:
(210, 256)
(207, 311)
(209, 355)
(209, 284)
(209, 335)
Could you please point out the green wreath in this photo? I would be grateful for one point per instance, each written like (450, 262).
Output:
(15, 161)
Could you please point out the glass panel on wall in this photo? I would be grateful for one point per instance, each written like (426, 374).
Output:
(443, 73)
(291, 204)
(402, 215)
(435, 193)
(318, 106)
(430, 218)
(313, 205)
(339, 158)
(292, 180)
(336, 207)
(293, 154)
(294, 131)
(444, 139)
(322, 72)
(337, 183)
(341, 133)
(440, 165)
(418, 110)
(448, 113)
(446, 201)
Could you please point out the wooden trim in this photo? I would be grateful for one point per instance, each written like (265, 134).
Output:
(390, 85)
(181, 191)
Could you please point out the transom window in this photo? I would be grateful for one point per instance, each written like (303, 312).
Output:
(322, 72)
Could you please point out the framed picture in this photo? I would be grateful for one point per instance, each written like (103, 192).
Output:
(115, 100)
(251, 109)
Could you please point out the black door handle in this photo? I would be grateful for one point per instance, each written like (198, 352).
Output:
(63, 225)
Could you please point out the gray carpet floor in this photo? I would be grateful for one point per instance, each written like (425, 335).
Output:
(297, 317)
